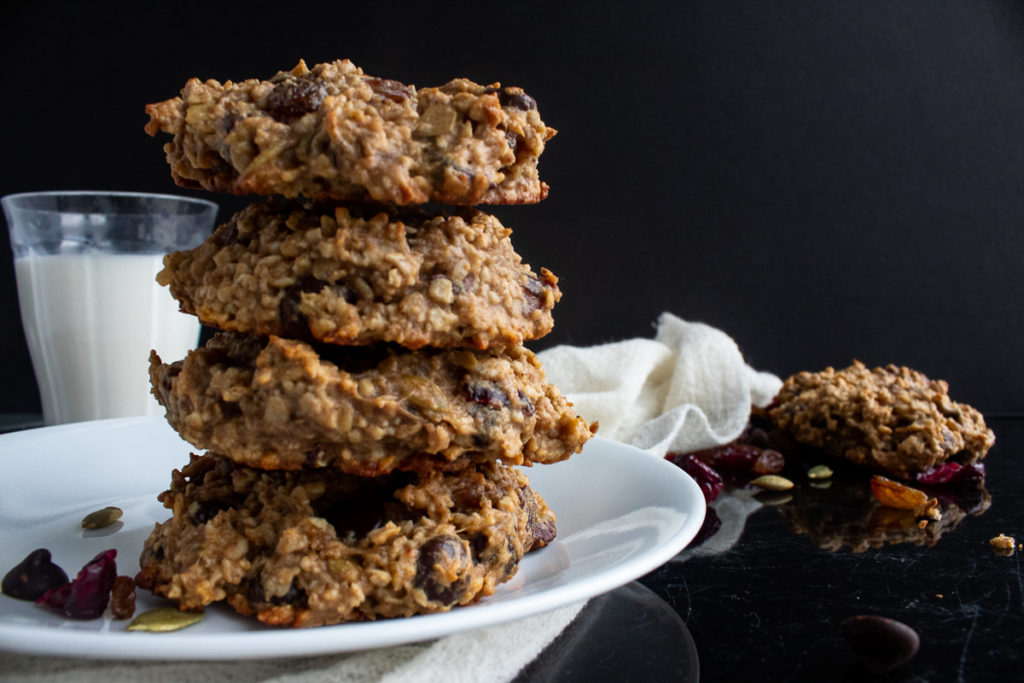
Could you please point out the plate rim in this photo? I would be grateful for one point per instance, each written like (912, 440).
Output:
(259, 644)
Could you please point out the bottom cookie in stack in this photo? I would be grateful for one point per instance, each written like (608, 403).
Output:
(314, 547)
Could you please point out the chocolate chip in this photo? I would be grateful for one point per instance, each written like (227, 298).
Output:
(437, 557)
(291, 99)
(882, 643)
(33, 576)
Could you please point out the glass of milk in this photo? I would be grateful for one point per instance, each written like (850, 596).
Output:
(85, 264)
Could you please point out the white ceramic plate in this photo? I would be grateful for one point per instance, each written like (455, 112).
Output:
(621, 513)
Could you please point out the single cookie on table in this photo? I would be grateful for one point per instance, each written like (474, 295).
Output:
(315, 547)
(277, 403)
(334, 133)
(356, 274)
(892, 419)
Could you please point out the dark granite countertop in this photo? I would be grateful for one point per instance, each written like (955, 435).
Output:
(768, 606)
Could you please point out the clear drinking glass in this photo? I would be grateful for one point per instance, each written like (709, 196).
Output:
(85, 264)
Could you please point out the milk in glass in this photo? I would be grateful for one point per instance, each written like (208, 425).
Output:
(90, 320)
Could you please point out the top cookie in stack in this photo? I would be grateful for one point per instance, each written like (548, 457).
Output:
(369, 391)
(333, 133)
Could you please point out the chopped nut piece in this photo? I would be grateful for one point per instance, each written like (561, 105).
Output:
(1002, 544)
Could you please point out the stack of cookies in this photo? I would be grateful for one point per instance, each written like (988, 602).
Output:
(368, 395)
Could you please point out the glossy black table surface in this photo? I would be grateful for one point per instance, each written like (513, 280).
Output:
(762, 598)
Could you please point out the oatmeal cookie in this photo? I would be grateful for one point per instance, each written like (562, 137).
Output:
(314, 547)
(355, 275)
(278, 403)
(334, 133)
(892, 419)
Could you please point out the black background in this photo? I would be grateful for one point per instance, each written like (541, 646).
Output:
(823, 180)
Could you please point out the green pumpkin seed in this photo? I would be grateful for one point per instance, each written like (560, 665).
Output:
(772, 482)
(820, 483)
(102, 518)
(164, 619)
(819, 472)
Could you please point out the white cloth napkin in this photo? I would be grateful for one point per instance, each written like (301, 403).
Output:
(688, 388)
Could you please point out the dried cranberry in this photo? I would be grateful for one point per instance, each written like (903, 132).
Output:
(709, 481)
(952, 473)
(86, 597)
(712, 523)
(33, 576)
(490, 396)
(56, 597)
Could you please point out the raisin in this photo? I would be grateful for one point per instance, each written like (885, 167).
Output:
(542, 531)
(439, 557)
(33, 576)
(294, 596)
(388, 89)
(528, 407)
(477, 545)
(893, 494)
(512, 566)
(755, 436)
(228, 234)
(293, 320)
(291, 99)
(709, 481)
(515, 142)
(768, 462)
(516, 100)
(122, 598)
(533, 291)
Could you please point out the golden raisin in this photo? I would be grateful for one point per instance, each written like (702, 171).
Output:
(896, 495)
